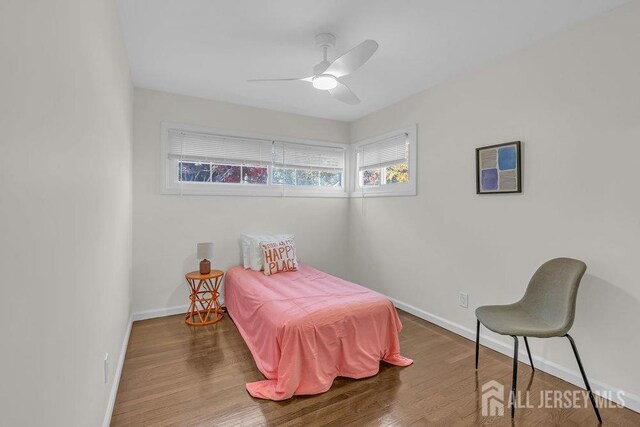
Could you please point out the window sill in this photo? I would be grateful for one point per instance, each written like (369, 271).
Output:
(383, 193)
(254, 192)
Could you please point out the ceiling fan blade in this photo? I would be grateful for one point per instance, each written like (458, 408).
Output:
(306, 79)
(352, 60)
(344, 94)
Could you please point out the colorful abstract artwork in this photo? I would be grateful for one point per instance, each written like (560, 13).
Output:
(498, 169)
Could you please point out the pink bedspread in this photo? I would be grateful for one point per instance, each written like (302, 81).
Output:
(306, 327)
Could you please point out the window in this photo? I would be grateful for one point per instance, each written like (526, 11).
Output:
(304, 165)
(204, 161)
(192, 171)
(386, 165)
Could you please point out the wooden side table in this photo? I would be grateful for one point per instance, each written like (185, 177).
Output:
(204, 308)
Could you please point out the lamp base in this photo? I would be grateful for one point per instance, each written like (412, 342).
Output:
(205, 266)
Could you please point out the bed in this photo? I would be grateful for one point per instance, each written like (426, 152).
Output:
(304, 328)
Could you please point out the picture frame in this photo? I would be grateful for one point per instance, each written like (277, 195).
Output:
(499, 168)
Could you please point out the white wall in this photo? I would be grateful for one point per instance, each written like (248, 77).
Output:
(574, 101)
(65, 209)
(167, 227)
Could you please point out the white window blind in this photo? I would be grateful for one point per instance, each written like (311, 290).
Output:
(302, 156)
(385, 165)
(203, 147)
(198, 160)
(388, 152)
(231, 150)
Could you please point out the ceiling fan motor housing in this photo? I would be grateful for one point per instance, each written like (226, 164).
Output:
(325, 40)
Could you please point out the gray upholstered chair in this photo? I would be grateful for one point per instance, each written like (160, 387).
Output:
(546, 310)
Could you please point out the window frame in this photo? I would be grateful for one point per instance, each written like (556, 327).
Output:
(170, 184)
(408, 188)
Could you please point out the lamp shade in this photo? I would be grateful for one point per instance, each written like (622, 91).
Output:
(205, 250)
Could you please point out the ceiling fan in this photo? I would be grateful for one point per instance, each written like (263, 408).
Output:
(326, 74)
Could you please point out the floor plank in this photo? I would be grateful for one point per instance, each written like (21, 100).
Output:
(175, 374)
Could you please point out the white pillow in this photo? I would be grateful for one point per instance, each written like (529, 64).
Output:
(251, 242)
(244, 244)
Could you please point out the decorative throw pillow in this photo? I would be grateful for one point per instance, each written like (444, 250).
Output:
(279, 256)
(252, 256)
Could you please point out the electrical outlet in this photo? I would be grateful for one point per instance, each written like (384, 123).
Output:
(463, 299)
(106, 367)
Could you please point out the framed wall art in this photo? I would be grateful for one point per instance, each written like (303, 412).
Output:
(498, 169)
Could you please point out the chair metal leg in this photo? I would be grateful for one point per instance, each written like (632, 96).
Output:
(477, 343)
(515, 376)
(584, 377)
(526, 343)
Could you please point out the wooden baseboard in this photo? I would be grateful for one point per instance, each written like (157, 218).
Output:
(163, 312)
(160, 312)
(116, 378)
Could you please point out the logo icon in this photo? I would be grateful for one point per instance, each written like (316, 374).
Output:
(492, 399)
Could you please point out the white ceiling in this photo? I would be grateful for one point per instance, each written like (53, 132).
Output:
(208, 48)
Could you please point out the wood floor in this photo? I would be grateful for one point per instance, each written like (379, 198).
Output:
(180, 375)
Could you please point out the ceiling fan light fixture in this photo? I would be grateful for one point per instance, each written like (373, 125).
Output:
(326, 74)
(324, 82)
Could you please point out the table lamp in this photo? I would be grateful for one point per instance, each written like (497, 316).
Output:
(205, 253)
